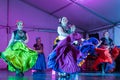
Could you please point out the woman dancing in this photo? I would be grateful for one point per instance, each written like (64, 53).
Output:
(64, 58)
(64, 29)
(19, 57)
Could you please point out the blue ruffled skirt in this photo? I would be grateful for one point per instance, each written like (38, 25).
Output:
(40, 63)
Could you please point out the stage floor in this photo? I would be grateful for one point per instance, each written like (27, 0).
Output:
(6, 75)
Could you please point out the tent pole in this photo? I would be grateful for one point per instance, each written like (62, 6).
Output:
(7, 26)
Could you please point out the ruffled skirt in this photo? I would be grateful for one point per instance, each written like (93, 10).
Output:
(19, 56)
(40, 63)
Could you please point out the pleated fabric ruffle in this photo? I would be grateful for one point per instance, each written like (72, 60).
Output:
(20, 56)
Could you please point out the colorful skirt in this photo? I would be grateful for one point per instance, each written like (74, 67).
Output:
(40, 63)
(64, 58)
(110, 66)
(52, 63)
(19, 56)
(65, 62)
(103, 57)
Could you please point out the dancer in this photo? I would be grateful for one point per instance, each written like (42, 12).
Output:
(106, 54)
(66, 58)
(40, 63)
(64, 29)
(19, 57)
(63, 59)
(103, 57)
(115, 51)
(106, 41)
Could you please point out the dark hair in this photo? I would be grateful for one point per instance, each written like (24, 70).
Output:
(37, 38)
(60, 19)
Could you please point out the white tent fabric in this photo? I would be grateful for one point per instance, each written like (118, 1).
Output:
(117, 35)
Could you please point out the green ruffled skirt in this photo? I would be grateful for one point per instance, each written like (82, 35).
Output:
(19, 56)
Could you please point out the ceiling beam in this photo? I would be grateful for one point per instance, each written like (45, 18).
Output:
(82, 29)
(101, 28)
(8, 11)
(57, 10)
(118, 22)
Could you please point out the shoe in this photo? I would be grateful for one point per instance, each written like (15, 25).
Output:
(19, 74)
(62, 74)
(0, 54)
(34, 71)
(68, 75)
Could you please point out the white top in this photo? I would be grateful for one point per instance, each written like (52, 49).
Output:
(61, 33)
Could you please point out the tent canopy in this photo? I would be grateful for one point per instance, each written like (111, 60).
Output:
(87, 15)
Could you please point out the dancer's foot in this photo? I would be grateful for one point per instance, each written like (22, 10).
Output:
(0, 54)
(110, 71)
(19, 74)
(62, 74)
(68, 75)
(33, 71)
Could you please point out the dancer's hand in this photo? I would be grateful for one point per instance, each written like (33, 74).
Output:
(98, 44)
(81, 63)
